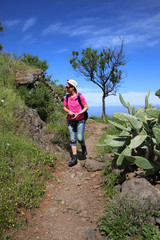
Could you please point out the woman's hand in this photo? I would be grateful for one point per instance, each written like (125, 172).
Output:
(70, 113)
(67, 111)
(75, 115)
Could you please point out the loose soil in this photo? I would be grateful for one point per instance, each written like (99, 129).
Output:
(74, 200)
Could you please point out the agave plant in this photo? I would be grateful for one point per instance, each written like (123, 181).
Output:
(139, 140)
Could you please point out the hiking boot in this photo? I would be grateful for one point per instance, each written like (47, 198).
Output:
(73, 161)
(84, 151)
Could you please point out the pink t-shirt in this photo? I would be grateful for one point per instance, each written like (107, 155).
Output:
(74, 106)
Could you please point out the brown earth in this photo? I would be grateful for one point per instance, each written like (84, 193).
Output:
(74, 200)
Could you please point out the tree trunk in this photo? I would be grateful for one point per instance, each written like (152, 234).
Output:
(103, 108)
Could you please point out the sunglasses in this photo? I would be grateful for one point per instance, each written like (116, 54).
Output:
(68, 87)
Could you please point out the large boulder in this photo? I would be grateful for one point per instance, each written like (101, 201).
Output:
(26, 77)
(142, 190)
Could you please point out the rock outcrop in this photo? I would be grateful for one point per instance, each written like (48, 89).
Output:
(26, 77)
(31, 79)
(35, 128)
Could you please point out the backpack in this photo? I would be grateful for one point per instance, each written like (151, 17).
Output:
(79, 100)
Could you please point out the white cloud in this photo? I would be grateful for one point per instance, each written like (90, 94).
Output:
(99, 32)
(61, 50)
(52, 28)
(28, 39)
(11, 23)
(29, 23)
(138, 98)
(70, 30)
(94, 98)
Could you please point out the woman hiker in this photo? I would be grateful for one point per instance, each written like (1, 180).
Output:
(75, 105)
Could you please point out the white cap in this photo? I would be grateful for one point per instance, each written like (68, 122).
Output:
(73, 83)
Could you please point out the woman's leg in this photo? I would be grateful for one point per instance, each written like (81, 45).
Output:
(74, 149)
(73, 143)
(80, 136)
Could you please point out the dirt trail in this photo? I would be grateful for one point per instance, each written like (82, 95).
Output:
(74, 201)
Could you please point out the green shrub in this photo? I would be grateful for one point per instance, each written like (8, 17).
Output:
(110, 179)
(110, 131)
(34, 61)
(126, 217)
(59, 89)
(41, 100)
(58, 126)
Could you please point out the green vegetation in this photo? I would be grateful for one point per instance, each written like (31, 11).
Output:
(139, 140)
(100, 119)
(101, 68)
(34, 61)
(130, 135)
(127, 218)
(24, 167)
(110, 179)
(1, 30)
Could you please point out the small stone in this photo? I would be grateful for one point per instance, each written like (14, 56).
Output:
(99, 199)
(96, 186)
(130, 175)
(83, 219)
(158, 220)
(93, 175)
(80, 174)
(91, 235)
(84, 214)
(73, 175)
(87, 178)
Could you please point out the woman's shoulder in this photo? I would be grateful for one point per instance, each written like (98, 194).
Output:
(81, 95)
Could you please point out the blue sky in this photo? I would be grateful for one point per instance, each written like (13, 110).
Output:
(53, 29)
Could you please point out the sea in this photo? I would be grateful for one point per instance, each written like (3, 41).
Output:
(97, 110)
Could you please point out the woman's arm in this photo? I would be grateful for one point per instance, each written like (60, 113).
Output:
(85, 108)
(67, 111)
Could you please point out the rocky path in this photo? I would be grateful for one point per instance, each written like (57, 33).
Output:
(74, 200)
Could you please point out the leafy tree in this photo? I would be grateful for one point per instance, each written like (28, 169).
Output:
(1, 30)
(101, 68)
(34, 61)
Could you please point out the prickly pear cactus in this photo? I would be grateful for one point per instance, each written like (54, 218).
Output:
(139, 137)
(157, 93)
